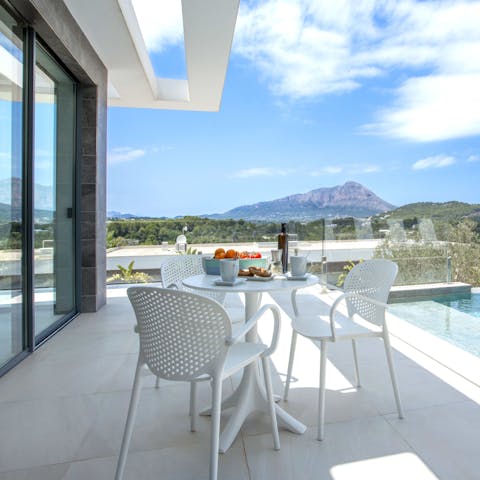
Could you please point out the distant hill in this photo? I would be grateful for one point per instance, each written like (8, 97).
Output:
(349, 200)
(441, 211)
(113, 215)
(11, 192)
(7, 214)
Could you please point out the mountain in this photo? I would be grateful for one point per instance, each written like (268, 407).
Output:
(443, 211)
(11, 201)
(113, 215)
(11, 191)
(348, 200)
(9, 214)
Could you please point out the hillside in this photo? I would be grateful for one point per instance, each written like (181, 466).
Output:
(349, 200)
(7, 215)
(439, 211)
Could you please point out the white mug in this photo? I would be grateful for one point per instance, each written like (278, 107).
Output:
(298, 265)
(229, 269)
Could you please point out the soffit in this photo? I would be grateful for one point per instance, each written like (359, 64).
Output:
(113, 31)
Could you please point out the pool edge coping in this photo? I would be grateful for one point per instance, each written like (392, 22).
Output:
(450, 356)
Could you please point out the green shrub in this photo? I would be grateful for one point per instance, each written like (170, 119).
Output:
(128, 275)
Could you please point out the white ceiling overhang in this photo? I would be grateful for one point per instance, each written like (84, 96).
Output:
(112, 28)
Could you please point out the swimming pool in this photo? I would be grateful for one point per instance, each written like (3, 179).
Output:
(454, 319)
(467, 304)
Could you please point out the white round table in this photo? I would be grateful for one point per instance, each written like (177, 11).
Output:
(250, 394)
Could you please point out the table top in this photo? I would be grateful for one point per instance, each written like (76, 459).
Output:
(206, 282)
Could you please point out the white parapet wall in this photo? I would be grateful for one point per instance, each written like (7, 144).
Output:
(151, 257)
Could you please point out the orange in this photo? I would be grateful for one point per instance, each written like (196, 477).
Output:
(219, 250)
(220, 255)
(231, 254)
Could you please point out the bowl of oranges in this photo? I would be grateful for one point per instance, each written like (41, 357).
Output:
(246, 259)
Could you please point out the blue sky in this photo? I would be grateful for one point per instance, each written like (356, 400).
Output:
(385, 93)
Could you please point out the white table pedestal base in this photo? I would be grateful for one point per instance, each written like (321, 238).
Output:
(250, 395)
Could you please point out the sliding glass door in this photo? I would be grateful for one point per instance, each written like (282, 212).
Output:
(53, 193)
(38, 101)
(11, 240)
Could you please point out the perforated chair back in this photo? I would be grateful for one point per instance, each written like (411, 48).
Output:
(176, 269)
(182, 335)
(373, 279)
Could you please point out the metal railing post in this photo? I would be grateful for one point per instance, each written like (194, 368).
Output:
(324, 274)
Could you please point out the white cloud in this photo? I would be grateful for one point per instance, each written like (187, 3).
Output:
(124, 154)
(366, 169)
(261, 172)
(436, 107)
(305, 49)
(437, 161)
(352, 168)
(328, 170)
(298, 58)
(160, 22)
(473, 158)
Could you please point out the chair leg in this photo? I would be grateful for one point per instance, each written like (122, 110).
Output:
(132, 410)
(193, 406)
(157, 382)
(290, 365)
(321, 392)
(271, 403)
(215, 434)
(355, 359)
(388, 353)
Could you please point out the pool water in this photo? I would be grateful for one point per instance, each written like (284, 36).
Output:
(468, 304)
(454, 319)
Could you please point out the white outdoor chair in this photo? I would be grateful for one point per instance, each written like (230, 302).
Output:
(172, 272)
(188, 337)
(181, 243)
(176, 269)
(366, 290)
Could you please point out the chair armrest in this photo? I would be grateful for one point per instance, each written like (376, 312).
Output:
(294, 302)
(343, 297)
(253, 321)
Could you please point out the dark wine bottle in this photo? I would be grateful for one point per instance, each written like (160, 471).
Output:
(283, 245)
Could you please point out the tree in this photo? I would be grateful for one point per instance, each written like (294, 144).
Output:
(427, 262)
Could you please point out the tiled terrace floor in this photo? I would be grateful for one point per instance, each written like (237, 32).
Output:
(62, 414)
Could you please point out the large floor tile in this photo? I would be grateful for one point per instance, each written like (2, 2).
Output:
(370, 443)
(63, 429)
(77, 343)
(418, 388)
(46, 472)
(71, 376)
(447, 437)
(185, 462)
